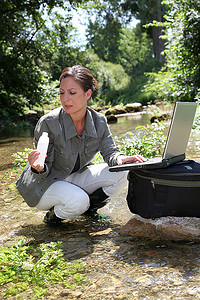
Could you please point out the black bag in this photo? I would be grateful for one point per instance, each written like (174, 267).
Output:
(172, 191)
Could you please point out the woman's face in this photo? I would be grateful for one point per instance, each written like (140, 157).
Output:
(73, 98)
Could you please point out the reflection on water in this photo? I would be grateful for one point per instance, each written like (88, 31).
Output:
(16, 131)
(11, 145)
(12, 140)
(129, 123)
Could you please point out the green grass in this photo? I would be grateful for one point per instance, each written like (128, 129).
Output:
(148, 141)
(32, 268)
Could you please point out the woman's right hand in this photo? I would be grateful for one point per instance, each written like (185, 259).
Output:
(32, 157)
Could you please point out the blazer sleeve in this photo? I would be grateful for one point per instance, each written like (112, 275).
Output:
(42, 126)
(108, 148)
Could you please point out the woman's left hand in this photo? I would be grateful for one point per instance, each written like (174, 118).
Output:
(123, 159)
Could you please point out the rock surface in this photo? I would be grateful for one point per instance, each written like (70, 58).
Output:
(128, 108)
(32, 116)
(115, 110)
(133, 107)
(160, 118)
(111, 119)
(166, 228)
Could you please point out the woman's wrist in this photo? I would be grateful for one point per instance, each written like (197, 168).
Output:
(38, 172)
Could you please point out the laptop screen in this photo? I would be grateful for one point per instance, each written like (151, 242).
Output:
(180, 128)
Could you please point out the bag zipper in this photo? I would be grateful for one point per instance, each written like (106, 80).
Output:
(175, 183)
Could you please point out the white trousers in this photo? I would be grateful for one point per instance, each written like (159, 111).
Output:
(70, 197)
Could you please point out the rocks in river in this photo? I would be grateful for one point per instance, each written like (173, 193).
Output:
(165, 228)
(115, 110)
(111, 119)
(128, 108)
(162, 117)
(32, 116)
(100, 108)
(133, 107)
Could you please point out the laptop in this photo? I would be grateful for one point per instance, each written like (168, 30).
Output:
(176, 143)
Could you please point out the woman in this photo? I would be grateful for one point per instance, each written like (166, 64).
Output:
(68, 185)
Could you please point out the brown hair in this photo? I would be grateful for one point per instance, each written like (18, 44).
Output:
(82, 75)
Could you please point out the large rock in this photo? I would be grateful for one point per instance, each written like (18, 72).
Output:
(165, 228)
(133, 107)
(111, 119)
(32, 116)
(160, 118)
(116, 110)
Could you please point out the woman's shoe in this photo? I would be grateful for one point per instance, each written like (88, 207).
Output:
(51, 219)
(98, 199)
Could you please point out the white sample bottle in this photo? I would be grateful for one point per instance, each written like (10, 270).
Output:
(42, 147)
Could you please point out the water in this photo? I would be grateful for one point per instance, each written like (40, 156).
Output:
(129, 123)
(122, 267)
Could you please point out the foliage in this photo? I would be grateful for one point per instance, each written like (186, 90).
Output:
(124, 81)
(59, 38)
(162, 85)
(32, 267)
(148, 141)
(112, 78)
(144, 9)
(21, 160)
(123, 11)
(180, 79)
(146, 98)
(98, 159)
(103, 36)
(147, 12)
(136, 45)
(24, 52)
(37, 41)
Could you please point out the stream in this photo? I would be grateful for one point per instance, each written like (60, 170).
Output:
(121, 267)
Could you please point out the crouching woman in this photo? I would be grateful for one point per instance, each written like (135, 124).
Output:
(68, 184)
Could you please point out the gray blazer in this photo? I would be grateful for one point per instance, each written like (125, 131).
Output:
(64, 147)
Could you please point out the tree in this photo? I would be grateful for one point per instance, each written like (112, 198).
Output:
(103, 35)
(58, 38)
(180, 79)
(148, 11)
(135, 51)
(23, 54)
(113, 41)
(111, 77)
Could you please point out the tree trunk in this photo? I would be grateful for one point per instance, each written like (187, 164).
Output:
(158, 43)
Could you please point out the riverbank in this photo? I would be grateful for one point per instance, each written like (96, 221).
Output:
(30, 118)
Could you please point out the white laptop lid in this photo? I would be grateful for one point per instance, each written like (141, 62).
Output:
(180, 128)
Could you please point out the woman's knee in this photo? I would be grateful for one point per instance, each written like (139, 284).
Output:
(117, 183)
(74, 205)
(62, 193)
(82, 203)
